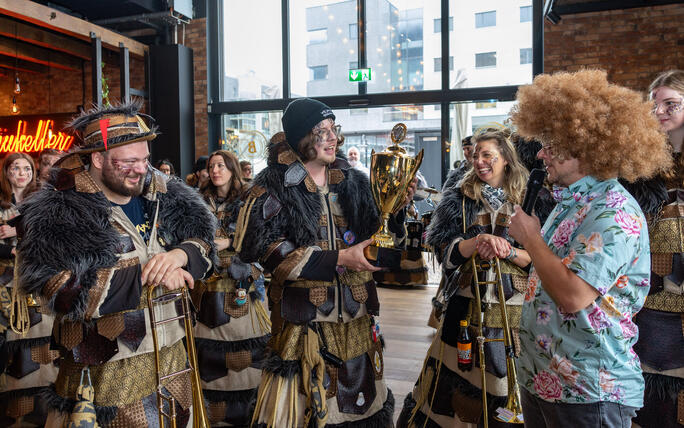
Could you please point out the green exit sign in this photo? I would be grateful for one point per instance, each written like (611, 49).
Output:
(360, 75)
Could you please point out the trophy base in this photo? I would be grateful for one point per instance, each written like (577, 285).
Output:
(383, 257)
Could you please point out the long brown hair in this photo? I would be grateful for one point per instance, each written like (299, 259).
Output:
(236, 183)
(515, 174)
(6, 187)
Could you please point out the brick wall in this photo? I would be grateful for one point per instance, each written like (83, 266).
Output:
(61, 91)
(196, 39)
(632, 45)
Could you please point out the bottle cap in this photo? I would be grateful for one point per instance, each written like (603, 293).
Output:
(464, 323)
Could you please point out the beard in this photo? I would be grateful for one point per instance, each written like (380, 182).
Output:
(115, 181)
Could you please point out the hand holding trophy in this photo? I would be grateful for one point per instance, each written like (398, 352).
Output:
(391, 174)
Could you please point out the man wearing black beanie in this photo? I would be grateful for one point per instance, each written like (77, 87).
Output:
(307, 219)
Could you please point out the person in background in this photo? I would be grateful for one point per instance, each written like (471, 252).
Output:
(199, 174)
(660, 321)
(47, 158)
(27, 377)
(246, 168)
(95, 241)
(233, 326)
(166, 167)
(590, 262)
(460, 167)
(353, 156)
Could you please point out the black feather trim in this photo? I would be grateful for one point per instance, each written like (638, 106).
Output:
(650, 194)
(663, 387)
(17, 393)
(105, 414)
(405, 415)
(235, 346)
(247, 395)
(276, 365)
(13, 346)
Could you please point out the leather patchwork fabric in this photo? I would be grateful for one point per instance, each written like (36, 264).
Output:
(20, 406)
(94, 349)
(22, 364)
(232, 308)
(666, 236)
(520, 283)
(211, 361)
(84, 183)
(271, 207)
(70, 333)
(359, 292)
(350, 304)
(111, 326)
(329, 304)
(213, 312)
(295, 305)
(216, 411)
(372, 302)
(181, 389)
(238, 361)
(130, 416)
(55, 283)
(680, 407)
(332, 377)
(661, 263)
(135, 329)
(43, 354)
(355, 386)
(318, 295)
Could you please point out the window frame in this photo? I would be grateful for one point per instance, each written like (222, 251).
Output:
(444, 96)
(483, 14)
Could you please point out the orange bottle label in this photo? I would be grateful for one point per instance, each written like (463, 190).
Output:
(465, 355)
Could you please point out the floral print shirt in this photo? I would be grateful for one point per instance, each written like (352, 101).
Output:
(600, 233)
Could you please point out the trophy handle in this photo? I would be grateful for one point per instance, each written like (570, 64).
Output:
(414, 170)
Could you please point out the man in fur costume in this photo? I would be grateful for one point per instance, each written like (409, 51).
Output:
(105, 229)
(307, 219)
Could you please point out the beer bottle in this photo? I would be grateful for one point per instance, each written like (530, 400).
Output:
(465, 348)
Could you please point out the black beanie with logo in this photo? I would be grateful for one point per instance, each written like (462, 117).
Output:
(300, 116)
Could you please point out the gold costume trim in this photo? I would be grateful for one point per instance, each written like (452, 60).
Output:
(667, 236)
(84, 183)
(665, 301)
(111, 326)
(55, 283)
(121, 382)
(96, 291)
(43, 355)
(661, 263)
(238, 361)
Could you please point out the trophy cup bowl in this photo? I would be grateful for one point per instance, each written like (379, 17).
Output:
(391, 174)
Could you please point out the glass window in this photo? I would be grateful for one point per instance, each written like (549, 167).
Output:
(438, 24)
(353, 65)
(438, 63)
(525, 13)
(335, 51)
(526, 56)
(466, 119)
(353, 31)
(319, 72)
(485, 19)
(506, 39)
(485, 104)
(400, 45)
(318, 36)
(485, 59)
(370, 131)
(244, 73)
(247, 135)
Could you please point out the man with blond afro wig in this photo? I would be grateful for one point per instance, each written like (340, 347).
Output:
(591, 264)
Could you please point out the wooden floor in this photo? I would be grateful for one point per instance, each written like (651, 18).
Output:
(403, 322)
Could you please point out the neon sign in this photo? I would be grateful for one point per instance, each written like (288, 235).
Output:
(43, 138)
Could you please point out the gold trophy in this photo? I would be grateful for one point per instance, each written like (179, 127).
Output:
(391, 174)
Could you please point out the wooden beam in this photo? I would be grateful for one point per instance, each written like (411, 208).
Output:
(22, 66)
(38, 36)
(32, 53)
(61, 22)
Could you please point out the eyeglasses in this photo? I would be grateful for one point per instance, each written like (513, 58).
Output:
(549, 151)
(127, 165)
(671, 107)
(321, 133)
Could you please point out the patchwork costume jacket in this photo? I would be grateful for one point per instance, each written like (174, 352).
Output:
(326, 364)
(85, 257)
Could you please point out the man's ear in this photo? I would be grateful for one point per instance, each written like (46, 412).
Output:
(97, 159)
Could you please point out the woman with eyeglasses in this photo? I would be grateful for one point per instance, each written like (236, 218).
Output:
(473, 217)
(25, 358)
(661, 342)
(232, 327)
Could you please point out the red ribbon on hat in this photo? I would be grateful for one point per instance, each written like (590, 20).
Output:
(104, 123)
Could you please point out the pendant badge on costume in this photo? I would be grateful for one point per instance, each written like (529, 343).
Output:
(340, 269)
(360, 399)
(375, 328)
(241, 295)
(349, 238)
(377, 362)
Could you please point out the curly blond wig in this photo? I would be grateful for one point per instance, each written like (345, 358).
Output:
(609, 129)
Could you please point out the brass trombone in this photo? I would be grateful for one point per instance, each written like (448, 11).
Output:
(512, 412)
(199, 412)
